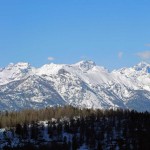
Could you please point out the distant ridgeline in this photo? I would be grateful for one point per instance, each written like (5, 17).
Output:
(69, 128)
(83, 85)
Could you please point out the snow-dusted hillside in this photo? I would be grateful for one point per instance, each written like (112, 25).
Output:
(83, 84)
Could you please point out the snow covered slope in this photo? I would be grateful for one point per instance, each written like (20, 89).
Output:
(83, 84)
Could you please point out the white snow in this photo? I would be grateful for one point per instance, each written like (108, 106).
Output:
(82, 84)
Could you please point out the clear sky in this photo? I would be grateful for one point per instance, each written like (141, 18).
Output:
(113, 33)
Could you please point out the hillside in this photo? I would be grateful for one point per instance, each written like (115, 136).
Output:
(71, 129)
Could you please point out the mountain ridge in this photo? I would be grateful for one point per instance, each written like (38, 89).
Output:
(83, 84)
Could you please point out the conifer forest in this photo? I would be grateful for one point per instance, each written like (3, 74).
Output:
(69, 128)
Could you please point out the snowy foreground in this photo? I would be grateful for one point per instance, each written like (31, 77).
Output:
(120, 131)
(83, 84)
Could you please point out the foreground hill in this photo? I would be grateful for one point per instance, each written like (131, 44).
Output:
(83, 84)
(68, 128)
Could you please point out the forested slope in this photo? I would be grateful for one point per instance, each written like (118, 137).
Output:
(70, 128)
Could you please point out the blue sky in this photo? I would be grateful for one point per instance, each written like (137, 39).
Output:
(113, 33)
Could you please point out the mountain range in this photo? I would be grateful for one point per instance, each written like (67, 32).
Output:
(83, 84)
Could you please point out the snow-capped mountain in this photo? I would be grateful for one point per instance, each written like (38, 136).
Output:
(83, 84)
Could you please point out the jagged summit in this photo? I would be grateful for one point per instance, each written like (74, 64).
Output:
(15, 72)
(19, 65)
(86, 65)
(143, 66)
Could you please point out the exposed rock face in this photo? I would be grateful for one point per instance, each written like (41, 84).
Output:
(83, 84)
